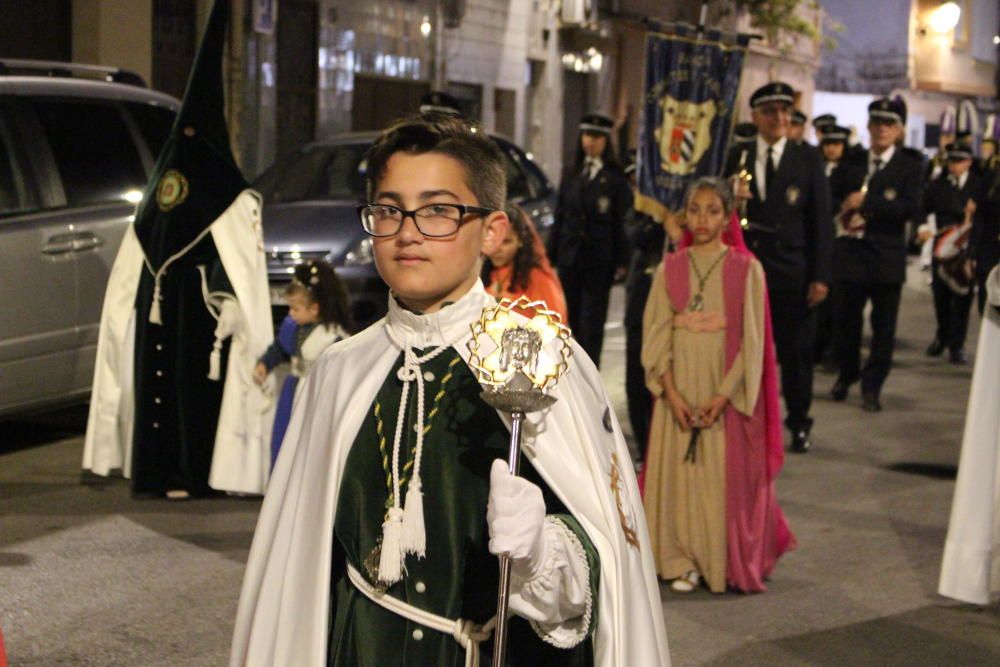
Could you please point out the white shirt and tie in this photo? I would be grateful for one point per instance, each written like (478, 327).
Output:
(592, 166)
(878, 161)
(760, 168)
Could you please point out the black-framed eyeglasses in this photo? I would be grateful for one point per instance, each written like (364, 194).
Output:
(433, 220)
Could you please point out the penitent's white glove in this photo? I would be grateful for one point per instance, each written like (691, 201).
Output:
(515, 515)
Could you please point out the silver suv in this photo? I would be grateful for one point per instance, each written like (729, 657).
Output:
(77, 146)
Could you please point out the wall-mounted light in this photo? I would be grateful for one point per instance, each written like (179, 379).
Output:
(944, 17)
(425, 26)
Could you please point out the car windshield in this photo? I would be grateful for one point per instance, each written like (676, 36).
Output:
(317, 172)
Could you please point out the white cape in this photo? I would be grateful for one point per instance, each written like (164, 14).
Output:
(970, 570)
(284, 605)
(242, 443)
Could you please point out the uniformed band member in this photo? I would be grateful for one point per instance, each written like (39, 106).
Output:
(647, 240)
(791, 234)
(797, 127)
(885, 188)
(952, 198)
(833, 146)
(587, 242)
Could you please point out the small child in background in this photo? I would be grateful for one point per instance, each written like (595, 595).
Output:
(318, 316)
(520, 266)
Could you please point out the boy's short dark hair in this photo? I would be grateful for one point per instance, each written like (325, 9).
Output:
(459, 139)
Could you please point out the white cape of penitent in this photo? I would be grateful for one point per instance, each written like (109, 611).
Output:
(241, 457)
(580, 453)
(971, 568)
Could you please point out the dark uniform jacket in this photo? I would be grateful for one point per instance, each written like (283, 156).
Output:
(792, 231)
(589, 229)
(984, 244)
(893, 198)
(947, 202)
(647, 239)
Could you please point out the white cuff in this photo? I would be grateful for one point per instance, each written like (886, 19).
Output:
(556, 597)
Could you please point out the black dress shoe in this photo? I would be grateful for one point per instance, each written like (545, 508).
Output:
(870, 402)
(800, 442)
(839, 391)
(935, 349)
(958, 357)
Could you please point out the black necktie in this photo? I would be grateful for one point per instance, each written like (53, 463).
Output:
(878, 164)
(769, 170)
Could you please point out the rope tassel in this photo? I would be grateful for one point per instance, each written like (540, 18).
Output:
(390, 564)
(414, 536)
(154, 308)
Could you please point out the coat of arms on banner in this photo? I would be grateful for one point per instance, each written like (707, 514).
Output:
(685, 135)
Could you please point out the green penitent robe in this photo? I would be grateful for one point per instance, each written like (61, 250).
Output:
(458, 577)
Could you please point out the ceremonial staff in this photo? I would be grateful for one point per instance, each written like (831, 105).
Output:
(530, 350)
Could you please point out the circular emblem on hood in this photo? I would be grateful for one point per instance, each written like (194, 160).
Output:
(172, 190)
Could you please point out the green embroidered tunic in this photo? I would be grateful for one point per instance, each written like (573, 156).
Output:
(459, 576)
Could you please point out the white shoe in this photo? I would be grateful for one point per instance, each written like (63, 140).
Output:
(687, 582)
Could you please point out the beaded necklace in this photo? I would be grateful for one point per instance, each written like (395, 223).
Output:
(697, 301)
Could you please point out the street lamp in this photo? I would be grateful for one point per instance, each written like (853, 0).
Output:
(945, 17)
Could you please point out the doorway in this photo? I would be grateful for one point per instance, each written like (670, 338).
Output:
(298, 46)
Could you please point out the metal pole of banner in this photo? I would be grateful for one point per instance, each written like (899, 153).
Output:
(702, 19)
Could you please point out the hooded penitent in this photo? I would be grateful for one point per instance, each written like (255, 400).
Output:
(200, 277)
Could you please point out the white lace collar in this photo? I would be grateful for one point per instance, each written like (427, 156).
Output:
(446, 326)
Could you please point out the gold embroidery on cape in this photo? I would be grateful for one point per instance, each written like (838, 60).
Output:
(628, 526)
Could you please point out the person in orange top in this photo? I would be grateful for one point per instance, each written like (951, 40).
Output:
(520, 266)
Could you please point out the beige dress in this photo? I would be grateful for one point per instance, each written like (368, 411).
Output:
(685, 502)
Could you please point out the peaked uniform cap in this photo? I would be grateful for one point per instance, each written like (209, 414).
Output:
(834, 134)
(745, 133)
(196, 177)
(957, 151)
(776, 91)
(824, 121)
(799, 118)
(596, 122)
(885, 109)
(438, 101)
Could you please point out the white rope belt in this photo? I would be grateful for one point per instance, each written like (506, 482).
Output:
(466, 633)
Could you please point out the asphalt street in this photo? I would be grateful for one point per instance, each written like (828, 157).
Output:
(89, 576)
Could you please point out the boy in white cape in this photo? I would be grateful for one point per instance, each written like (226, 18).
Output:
(377, 541)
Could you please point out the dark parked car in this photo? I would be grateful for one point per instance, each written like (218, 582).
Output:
(77, 145)
(309, 213)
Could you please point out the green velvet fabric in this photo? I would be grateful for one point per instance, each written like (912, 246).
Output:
(458, 578)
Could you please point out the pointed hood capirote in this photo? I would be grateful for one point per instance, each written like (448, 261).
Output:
(196, 177)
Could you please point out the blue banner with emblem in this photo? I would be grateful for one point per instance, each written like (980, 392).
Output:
(687, 116)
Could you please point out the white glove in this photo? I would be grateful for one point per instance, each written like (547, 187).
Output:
(515, 515)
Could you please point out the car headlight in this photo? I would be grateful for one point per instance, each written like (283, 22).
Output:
(360, 254)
